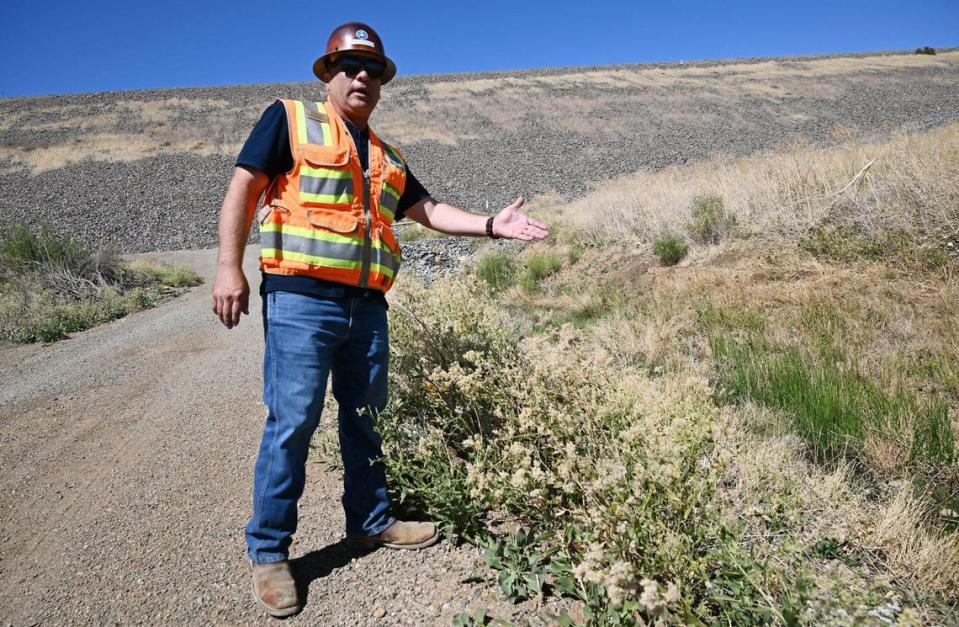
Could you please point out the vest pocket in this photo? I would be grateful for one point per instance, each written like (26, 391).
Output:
(333, 219)
(325, 156)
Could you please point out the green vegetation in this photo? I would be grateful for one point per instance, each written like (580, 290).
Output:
(670, 248)
(613, 482)
(835, 409)
(599, 304)
(538, 267)
(841, 242)
(51, 286)
(711, 222)
(925, 50)
(764, 436)
(498, 270)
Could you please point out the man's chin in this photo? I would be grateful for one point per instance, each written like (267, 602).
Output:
(360, 104)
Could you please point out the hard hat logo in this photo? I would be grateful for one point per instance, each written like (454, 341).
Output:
(356, 37)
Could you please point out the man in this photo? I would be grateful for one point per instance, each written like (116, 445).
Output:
(328, 256)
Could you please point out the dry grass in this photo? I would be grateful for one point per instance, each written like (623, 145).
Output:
(895, 323)
(911, 184)
(99, 136)
(488, 106)
(914, 554)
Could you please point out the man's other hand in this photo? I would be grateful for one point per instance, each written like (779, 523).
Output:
(512, 224)
(231, 295)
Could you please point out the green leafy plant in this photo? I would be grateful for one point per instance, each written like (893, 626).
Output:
(925, 50)
(670, 248)
(522, 569)
(477, 618)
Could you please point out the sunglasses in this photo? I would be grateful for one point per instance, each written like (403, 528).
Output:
(351, 66)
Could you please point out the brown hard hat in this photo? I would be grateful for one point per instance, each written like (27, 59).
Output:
(357, 38)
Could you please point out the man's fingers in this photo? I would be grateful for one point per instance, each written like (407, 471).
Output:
(519, 202)
(537, 224)
(228, 309)
(235, 308)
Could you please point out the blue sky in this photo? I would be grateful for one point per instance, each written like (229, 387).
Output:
(58, 47)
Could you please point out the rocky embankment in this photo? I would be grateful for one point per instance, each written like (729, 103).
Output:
(147, 170)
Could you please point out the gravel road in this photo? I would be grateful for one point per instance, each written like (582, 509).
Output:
(128, 453)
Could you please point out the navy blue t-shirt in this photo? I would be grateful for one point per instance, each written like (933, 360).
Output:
(268, 150)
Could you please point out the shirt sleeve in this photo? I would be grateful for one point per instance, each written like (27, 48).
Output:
(412, 194)
(267, 149)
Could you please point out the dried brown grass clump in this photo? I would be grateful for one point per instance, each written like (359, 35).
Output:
(915, 554)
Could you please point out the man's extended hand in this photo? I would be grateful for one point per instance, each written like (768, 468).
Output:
(231, 295)
(513, 224)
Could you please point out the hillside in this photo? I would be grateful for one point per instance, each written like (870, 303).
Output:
(154, 164)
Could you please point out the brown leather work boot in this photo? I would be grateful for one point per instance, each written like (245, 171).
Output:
(274, 589)
(399, 535)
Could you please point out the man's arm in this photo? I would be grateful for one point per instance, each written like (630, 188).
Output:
(508, 223)
(231, 292)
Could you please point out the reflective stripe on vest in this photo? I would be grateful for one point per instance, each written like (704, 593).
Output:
(316, 223)
(326, 185)
(312, 124)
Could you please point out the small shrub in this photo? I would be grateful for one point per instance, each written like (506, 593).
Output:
(619, 488)
(498, 270)
(143, 273)
(925, 50)
(539, 267)
(51, 286)
(670, 248)
(574, 252)
(711, 222)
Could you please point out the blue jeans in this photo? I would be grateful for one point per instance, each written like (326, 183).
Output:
(306, 339)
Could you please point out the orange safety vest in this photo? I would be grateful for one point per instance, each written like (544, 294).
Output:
(326, 217)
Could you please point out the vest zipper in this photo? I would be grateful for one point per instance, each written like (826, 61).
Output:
(367, 236)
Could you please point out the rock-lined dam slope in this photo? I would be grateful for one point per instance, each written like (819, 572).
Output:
(146, 170)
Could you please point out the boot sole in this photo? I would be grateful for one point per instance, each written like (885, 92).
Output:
(367, 543)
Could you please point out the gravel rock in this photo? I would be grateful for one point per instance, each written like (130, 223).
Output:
(497, 135)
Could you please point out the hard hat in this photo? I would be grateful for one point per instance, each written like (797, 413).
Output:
(357, 38)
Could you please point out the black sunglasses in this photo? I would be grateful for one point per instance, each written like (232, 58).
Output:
(352, 65)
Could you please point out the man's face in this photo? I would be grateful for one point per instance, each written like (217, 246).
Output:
(355, 92)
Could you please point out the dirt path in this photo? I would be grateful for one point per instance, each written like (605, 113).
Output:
(127, 455)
